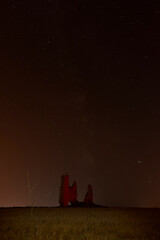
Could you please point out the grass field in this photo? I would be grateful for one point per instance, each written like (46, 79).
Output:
(79, 223)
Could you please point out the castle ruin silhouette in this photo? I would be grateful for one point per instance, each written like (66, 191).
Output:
(68, 194)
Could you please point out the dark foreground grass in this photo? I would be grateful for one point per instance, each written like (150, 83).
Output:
(79, 223)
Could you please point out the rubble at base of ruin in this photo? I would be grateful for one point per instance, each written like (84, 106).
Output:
(68, 194)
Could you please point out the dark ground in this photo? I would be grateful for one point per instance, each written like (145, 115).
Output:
(101, 223)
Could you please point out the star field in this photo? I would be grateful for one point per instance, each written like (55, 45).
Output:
(79, 92)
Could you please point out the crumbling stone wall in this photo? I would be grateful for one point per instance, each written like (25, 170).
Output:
(89, 195)
(73, 193)
(64, 196)
(68, 194)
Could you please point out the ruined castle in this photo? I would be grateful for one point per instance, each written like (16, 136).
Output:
(68, 194)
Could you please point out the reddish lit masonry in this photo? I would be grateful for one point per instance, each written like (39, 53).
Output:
(68, 194)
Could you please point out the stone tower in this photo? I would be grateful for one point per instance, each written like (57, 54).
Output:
(64, 195)
(67, 194)
(89, 195)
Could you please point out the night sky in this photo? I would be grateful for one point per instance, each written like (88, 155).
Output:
(80, 93)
